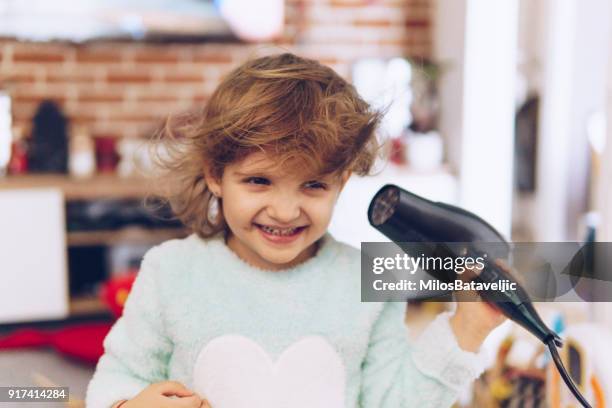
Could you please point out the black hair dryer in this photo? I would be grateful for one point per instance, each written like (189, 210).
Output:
(406, 217)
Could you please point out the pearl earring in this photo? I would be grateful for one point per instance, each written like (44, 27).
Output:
(213, 208)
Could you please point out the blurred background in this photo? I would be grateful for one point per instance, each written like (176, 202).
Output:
(498, 107)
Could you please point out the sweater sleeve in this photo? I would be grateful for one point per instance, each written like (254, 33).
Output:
(136, 350)
(428, 373)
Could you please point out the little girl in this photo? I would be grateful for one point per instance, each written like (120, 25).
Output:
(261, 306)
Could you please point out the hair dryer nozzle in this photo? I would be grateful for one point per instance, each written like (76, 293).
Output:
(403, 216)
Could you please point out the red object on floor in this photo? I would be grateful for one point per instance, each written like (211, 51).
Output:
(25, 338)
(82, 341)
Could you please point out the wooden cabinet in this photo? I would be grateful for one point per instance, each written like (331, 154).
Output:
(102, 187)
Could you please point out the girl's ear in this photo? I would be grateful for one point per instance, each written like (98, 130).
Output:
(214, 185)
(344, 178)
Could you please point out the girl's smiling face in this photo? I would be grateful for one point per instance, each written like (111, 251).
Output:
(275, 217)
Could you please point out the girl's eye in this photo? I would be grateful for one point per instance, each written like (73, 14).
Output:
(317, 185)
(257, 180)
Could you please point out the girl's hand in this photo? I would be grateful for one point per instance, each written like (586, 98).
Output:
(472, 323)
(474, 320)
(158, 396)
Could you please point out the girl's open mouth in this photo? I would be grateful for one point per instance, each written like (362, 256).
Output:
(280, 235)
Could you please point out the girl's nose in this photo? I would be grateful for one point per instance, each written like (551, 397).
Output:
(284, 209)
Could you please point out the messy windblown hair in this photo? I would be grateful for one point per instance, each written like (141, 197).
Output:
(289, 107)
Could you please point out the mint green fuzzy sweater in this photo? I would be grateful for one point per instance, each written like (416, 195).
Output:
(244, 337)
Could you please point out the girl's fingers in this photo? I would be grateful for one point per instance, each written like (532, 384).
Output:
(169, 388)
(193, 401)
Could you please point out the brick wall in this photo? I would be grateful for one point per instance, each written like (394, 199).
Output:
(124, 89)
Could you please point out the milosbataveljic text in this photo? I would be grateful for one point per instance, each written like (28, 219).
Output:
(411, 264)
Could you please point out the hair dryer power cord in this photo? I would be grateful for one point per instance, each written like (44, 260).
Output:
(552, 347)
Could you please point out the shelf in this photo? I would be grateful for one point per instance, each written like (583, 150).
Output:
(86, 305)
(96, 187)
(125, 235)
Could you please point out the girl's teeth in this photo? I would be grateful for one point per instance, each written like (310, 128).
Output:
(275, 231)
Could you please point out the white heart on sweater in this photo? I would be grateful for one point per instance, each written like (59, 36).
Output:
(232, 371)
